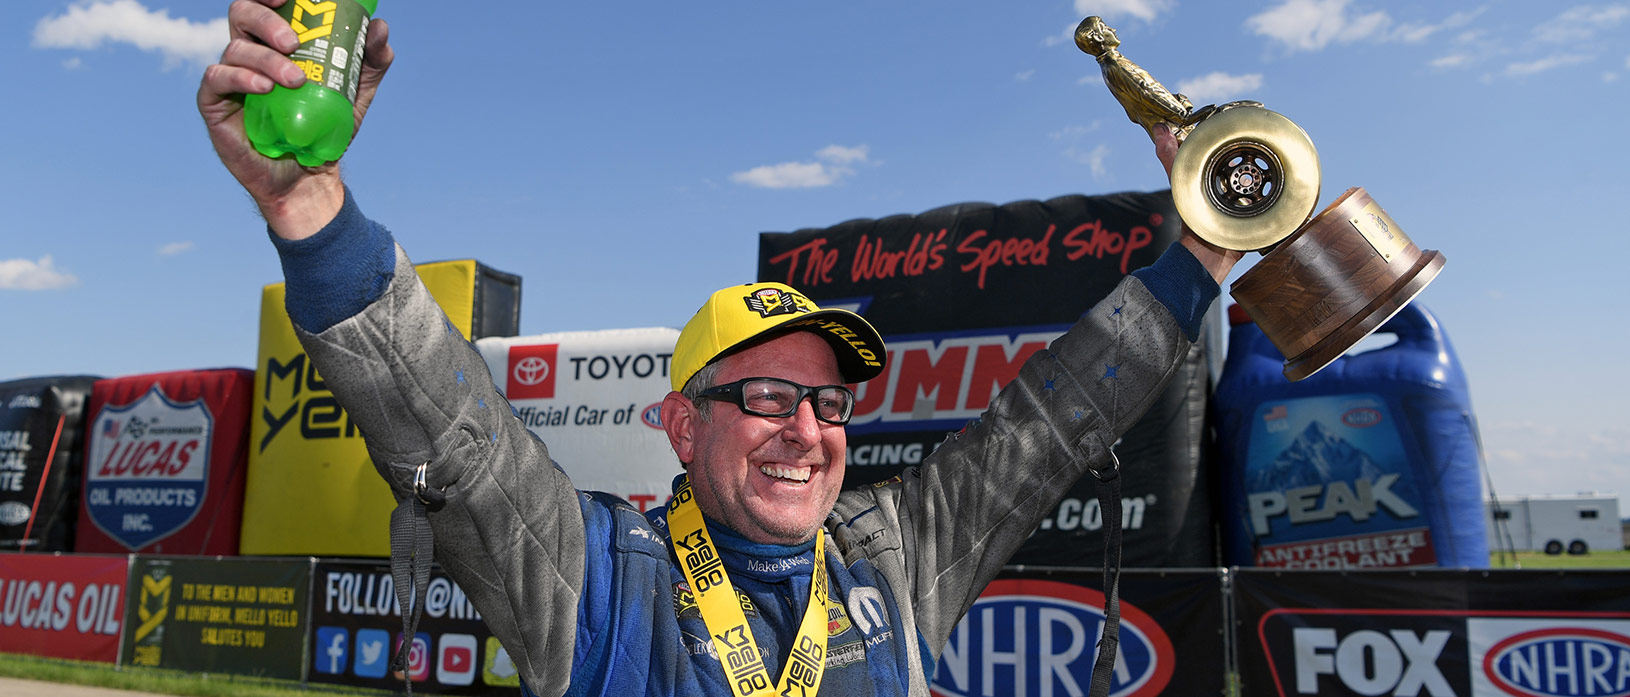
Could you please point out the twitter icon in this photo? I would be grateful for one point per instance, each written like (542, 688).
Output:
(373, 653)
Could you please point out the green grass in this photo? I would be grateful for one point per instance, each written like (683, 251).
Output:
(166, 682)
(1614, 559)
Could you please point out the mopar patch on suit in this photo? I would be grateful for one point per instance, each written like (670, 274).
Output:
(149, 467)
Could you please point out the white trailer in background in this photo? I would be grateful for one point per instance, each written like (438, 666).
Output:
(1554, 523)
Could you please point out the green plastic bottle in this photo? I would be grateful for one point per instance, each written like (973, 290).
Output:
(315, 122)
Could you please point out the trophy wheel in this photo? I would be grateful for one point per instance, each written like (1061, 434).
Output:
(1246, 178)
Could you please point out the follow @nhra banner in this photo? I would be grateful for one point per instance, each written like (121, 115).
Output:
(62, 606)
(357, 625)
(1436, 633)
(213, 615)
(1035, 634)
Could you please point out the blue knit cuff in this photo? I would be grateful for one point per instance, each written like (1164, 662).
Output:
(1183, 285)
(337, 272)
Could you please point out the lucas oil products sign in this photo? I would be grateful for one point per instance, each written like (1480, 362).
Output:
(166, 463)
(357, 623)
(595, 398)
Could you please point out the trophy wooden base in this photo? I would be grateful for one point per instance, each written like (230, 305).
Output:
(1329, 284)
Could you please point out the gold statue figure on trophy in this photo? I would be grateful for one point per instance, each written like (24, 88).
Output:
(1147, 102)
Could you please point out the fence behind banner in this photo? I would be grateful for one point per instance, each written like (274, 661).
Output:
(1033, 632)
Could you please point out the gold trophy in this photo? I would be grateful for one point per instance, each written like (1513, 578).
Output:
(1247, 179)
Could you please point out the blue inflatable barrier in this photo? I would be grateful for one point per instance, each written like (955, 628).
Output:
(1373, 462)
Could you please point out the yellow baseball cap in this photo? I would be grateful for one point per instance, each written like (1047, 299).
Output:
(739, 315)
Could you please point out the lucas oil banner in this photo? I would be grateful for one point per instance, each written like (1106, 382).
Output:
(312, 489)
(42, 429)
(357, 624)
(166, 468)
(1433, 633)
(1032, 634)
(963, 295)
(62, 606)
(595, 398)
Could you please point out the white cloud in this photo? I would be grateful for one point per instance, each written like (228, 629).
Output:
(833, 166)
(1580, 23)
(1024, 76)
(1074, 149)
(1112, 10)
(73, 63)
(174, 248)
(1527, 457)
(1097, 79)
(1541, 65)
(87, 26)
(1453, 60)
(1219, 87)
(22, 274)
(1310, 25)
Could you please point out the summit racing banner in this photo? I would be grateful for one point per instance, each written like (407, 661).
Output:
(1433, 632)
(1036, 633)
(963, 295)
(63, 606)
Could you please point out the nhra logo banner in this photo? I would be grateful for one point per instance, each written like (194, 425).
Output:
(149, 470)
(1038, 635)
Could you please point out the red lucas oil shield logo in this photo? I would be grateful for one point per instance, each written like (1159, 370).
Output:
(531, 372)
(148, 471)
(1043, 635)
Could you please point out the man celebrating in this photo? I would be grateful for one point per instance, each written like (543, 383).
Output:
(759, 577)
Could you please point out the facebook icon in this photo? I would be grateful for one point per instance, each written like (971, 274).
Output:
(330, 650)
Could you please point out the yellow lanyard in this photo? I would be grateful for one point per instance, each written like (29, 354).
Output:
(721, 611)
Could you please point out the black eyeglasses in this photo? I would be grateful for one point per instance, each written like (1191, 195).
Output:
(776, 397)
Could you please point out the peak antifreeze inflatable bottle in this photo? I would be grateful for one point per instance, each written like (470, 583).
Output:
(314, 122)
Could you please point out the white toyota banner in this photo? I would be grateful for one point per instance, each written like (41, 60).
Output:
(595, 398)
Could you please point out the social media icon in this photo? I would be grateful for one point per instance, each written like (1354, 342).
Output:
(331, 651)
(455, 659)
(497, 669)
(418, 666)
(373, 660)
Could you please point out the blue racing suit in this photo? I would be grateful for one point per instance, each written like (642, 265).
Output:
(584, 591)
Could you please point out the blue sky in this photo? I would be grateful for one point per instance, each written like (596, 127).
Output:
(622, 159)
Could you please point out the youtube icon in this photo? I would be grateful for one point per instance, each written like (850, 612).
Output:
(455, 660)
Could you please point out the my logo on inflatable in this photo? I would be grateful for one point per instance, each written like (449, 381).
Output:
(1043, 636)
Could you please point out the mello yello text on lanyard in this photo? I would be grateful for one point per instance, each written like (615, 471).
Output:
(721, 611)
